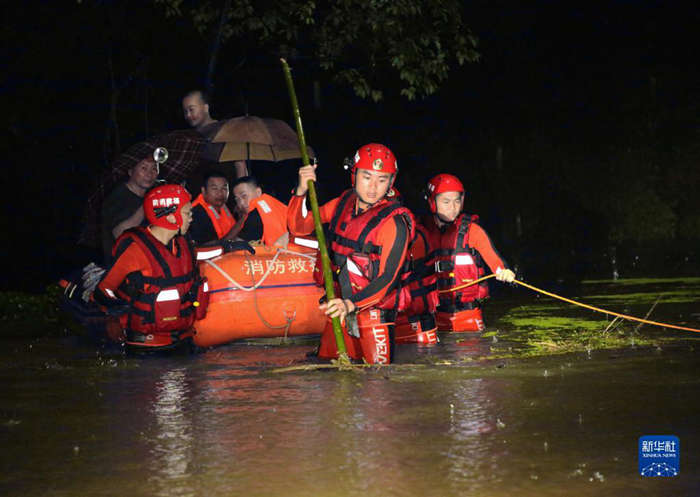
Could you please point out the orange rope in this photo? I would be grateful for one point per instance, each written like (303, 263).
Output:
(473, 282)
(554, 295)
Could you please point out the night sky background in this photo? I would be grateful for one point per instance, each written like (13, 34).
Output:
(577, 132)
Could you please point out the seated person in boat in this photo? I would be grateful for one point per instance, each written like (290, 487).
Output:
(155, 274)
(123, 207)
(450, 250)
(211, 218)
(265, 217)
(369, 234)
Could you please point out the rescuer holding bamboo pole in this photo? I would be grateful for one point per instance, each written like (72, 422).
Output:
(369, 233)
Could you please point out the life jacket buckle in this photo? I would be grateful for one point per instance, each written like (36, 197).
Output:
(442, 266)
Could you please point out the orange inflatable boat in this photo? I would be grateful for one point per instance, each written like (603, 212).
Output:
(269, 294)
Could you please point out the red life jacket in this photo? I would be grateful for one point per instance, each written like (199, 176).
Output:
(354, 251)
(165, 304)
(456, 263)
(422, 281)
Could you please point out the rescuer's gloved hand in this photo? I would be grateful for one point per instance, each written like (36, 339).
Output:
(505, 275)
(117, 309)
(235, 245)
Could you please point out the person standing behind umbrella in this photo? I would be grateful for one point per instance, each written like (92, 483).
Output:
(195, 108)
(123, 207)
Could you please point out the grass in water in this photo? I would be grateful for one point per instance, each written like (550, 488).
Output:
(552, 327)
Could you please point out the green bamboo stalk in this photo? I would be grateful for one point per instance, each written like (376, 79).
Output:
(313, 200)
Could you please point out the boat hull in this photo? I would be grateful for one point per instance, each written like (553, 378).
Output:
(269, 294)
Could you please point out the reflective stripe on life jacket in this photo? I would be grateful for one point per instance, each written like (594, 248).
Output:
(273, 214)
(222, 221)
(456, 263)
(354, 249)
(168, 299)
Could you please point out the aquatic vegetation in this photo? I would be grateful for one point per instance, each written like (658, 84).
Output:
(552, 327)
(645, 281)
(32, 313)
(667, 297)
(537, 323)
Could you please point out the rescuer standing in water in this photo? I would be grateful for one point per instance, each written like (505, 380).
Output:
(369, 234)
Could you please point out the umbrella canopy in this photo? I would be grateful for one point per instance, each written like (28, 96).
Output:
(184, 156)
(256, 138)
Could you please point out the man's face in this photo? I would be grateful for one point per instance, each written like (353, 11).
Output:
(243, 193)
(371, 186)
(449, 205)
(215, 192)
(144, 174)
(196, 112)
(186, 213)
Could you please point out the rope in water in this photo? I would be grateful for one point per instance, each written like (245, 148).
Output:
(574, 302)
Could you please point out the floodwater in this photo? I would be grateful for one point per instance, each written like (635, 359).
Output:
(78, 421)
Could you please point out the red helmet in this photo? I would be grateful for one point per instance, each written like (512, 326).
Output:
(440, 184)
(163, 200)
(375, 157)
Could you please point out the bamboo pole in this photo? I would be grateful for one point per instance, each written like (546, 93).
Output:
(313, 200)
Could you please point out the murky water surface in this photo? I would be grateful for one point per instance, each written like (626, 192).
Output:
(78, 422)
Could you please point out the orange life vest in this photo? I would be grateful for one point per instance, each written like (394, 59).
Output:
(354, 251)
(222, 221)
(273, 214)
(163, 306)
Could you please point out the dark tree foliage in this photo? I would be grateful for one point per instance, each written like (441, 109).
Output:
(369, 45)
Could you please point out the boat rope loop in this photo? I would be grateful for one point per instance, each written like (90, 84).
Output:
(270, 265)
(574, 302)
(288, 318)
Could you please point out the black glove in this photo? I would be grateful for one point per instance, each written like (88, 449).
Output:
(235, 245)
(116, 310)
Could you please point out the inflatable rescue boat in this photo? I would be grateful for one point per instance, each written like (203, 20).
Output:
(269, 294)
